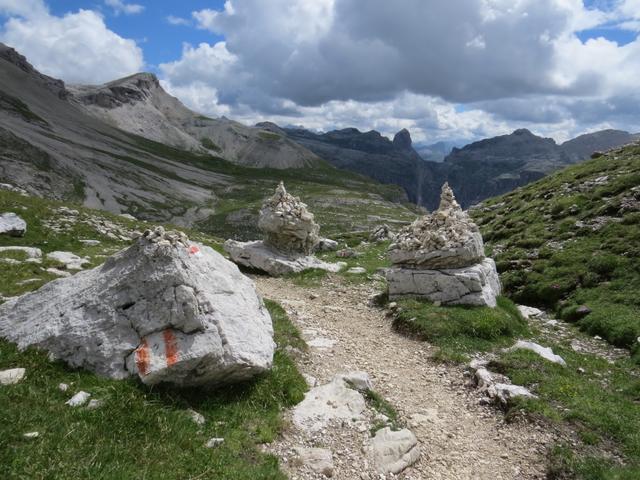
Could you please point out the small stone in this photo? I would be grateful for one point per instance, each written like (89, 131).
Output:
(214, 442)
(544, 352)
(392, 452)
(11, 376)
(63, 387)
(31, 435)
(95, 403)
(357, 270)
(12, 225)
(197, 417)
(90, 243)
(78, 399)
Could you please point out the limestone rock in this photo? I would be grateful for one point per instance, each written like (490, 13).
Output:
(214, 442)
(70, 260)
(544, 352)
(30, 252)
(360, 380)
(326, 245)
(78, 399)
(287, 224)
(357, 270)
(476, 285)
(165, 309)
(319, 460)
(332, 401)
(12, 225)
(381, 233)
(11, 376)
(258, 255)
(392, 452)
(448, 238)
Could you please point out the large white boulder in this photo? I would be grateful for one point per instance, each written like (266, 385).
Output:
(11, 224)
(165, 309)
(476, 285)
(258, 255)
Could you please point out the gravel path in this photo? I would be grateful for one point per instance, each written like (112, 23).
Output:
(460, 438)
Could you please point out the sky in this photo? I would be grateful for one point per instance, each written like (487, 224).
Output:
(445, 70)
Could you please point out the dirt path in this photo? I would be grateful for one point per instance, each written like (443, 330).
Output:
(460, 438)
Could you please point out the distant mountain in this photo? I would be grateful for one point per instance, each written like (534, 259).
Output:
(477, 171)
(436, 152)
(128, 146)
(138, 104)
(583, 146)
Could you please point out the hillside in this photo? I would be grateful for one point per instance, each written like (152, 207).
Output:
(52, 147)
(570, 242)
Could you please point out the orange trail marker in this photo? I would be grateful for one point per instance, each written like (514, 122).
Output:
(142, 357)
(170, 347)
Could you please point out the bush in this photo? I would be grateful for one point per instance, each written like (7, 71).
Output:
(603, 264)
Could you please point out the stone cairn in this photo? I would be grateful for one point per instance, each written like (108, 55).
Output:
(440, 257)
(290, 237)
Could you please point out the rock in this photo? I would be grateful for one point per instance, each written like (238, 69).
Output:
(529, 312)
(214, 442)
(287, 224)
(319, 460)
(127, 216)
(440, 257)
(78, 399)
(392, 452)
(90, 243)
(326, 245)
(63, 387)
(325, 403)
(320, 342)
(11, 376)
(445, 239)
(504, 393)
(12, 225)
(544, 352)
(381, 233)
(197, 417)
(359, 380)
(484, 379)
(70, 260)
(347, 253)
(310, 380)
(30, 252)
(58, 272)
(476, 285)
(258, 255)
(357, 270)
(11, 188)
(165, 309)
(582, 311)
(95, 403)
(31, 435)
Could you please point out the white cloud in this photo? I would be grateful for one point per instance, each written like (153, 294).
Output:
(119, 6)
(77, 47)
(173, 20)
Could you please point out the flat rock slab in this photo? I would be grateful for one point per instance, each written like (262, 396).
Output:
(392, 452)
(261, 257)
(30, 252)
(477, 285)
(332, 401)
(319, 460)
(11, 224)
(165, 310)
(544, 352)
(11, 376)
(70, 260)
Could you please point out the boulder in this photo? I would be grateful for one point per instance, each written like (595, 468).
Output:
(440, 257)
(325, 403)
(381, 233)
(12, 225)
(392, 452)
(326, 245)
(11, 376)
(258, 255)
(165, 310)
(70, 260)
(287, 224)
(476, 285)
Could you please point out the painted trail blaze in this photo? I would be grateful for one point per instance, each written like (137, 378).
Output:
(142, 357)
(194, 250)
(170, 347)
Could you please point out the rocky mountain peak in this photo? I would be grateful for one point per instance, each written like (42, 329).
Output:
(402, 139)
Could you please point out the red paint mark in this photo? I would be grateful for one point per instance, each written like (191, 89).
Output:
(142, 358)
(170, 347)
(193, 250)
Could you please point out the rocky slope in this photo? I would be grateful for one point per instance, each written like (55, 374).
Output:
(571, 242)
(477, 171)
(63, 143)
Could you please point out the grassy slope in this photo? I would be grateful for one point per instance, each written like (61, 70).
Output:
(139, 432)
(548, 260)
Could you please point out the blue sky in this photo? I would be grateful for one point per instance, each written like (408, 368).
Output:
(443, 70)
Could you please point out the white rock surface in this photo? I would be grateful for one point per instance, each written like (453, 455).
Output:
(31, 435)
(63, 387)
(197, 417)
(476, 285)
(544, 352)
(360, 380)
(323, 404)
(357, 270)
(78, 399)
(95, 403)
(70, 260)
(11, 224)
(319, 460)
(164, 309)
(59, 273)
(11, 376)
(30, 252)
(529, 312)
(258, 255)
(90, 243)
(505, 392)
(392, 452)
(326, 245)
(214, 442)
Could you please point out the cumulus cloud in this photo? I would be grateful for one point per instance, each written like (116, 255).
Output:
(77, 47)
(174, 20)
(119, 6)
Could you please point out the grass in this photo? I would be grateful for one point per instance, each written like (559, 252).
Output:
(378, 403)
(143, 432)
(550, 256)
(460, 330)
